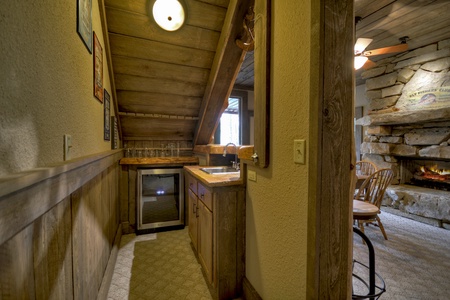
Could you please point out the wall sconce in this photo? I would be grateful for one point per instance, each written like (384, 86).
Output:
(168, 14)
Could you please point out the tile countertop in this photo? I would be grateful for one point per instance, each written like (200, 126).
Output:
(214, 180)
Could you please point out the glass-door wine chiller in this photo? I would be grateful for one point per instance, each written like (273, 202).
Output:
(160, 198)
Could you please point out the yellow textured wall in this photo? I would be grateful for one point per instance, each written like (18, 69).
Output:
(46, 85)
(277, 203)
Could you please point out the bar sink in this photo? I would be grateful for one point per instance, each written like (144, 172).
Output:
(219, 170)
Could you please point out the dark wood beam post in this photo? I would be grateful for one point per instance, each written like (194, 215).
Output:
(331, 148)
(227, 62)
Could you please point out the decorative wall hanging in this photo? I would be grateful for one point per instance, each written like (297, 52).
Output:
(84, 22)
(98, 69)
(107, 126)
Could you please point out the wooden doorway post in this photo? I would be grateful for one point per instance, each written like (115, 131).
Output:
(329, 223)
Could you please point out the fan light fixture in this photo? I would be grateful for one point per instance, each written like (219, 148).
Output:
(168, 14)
(359, 61)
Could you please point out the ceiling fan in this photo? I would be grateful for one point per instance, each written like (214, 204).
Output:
(361, 56)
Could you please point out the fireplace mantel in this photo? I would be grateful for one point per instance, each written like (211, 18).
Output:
(406, 117)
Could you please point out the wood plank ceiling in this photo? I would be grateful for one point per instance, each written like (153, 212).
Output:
(166, 81)
(161, 77)
(385, 21)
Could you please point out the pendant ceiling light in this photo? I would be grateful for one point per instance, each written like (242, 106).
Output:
(169, 14)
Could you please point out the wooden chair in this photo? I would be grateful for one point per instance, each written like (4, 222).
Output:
(365, 168)
(372, 191)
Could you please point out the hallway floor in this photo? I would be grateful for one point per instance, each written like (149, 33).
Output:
(157, 266)
(414, 262)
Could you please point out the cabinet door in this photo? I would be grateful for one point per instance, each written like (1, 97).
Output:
(205, 239)
(192, 208)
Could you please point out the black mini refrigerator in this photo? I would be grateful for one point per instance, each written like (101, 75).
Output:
(160, 199)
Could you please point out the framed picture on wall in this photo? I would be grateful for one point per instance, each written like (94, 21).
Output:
(115, 133)
(84, 22)
(107, 126)
(98, 69)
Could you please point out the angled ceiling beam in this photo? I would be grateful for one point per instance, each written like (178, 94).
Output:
(226, 65)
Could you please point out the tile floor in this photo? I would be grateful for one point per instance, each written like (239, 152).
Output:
(157, 266)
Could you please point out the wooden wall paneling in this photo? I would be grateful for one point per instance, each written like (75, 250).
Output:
(151, 50)
(53, 253)
(37, 192)
(114, 202)
(124, 194)
(98, 234)
(89, 254)
(240, 238)
(132, 193)
(79, 246)
(16, 266)
(105, 211)
(125, 23)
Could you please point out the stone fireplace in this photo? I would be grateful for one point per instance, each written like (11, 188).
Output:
(407, 129)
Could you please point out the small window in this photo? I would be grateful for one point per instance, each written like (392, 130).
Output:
(230, 123)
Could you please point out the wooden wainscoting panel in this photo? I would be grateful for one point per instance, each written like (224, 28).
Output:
(123, 196)
(90, 244)
(53, 253)
(16, 266)
(132, 177)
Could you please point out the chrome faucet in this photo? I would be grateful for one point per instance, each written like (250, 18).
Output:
(235, 162)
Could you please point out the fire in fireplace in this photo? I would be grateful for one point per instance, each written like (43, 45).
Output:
(425, 173)
(433, 173)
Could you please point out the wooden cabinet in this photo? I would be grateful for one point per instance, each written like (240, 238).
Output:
(217, 230)
(192, 216)
(205, 239)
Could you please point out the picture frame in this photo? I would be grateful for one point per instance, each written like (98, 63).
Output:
(84, 22)
(98, 69)
(107, 117)
(115, 133)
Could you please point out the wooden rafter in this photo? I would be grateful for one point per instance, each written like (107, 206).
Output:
(227, 62)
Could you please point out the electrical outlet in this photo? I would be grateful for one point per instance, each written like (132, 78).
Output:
(251, 175)
(299, 151)
(67, 146)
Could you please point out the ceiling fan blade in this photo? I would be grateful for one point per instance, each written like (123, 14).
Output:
(361, 44)
(386, 50)
(369, 65)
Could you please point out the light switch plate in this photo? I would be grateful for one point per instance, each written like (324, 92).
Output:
(251, 175)
(299, 151)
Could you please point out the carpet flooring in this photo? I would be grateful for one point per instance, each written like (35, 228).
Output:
(414, 263)
(415, 260)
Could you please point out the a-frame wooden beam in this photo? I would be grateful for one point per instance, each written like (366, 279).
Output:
(227, 62)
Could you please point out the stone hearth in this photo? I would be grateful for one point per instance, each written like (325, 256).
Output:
(422, 204)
